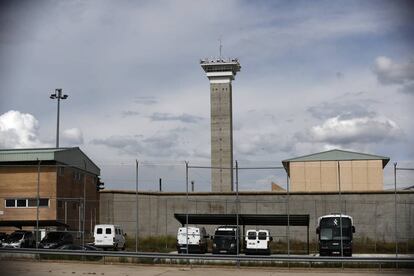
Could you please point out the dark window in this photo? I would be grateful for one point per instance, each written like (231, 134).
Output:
(61, 171)
(21, 203)
(60, 204)
(10, 203)
(251, 235)
(99, 231)
(32, 202)
(44, 202)
(108, 231)
(262, 235)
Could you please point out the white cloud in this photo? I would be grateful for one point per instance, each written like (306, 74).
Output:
(72, 137)
(19, 130)
(363, 130)
(390, 72)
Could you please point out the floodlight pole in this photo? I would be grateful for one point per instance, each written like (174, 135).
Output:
(58, 95)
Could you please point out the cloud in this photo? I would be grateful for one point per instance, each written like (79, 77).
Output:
(389, 72)
(261, 144)
(126, 144)
(19, 130)
(185, 118)
(156, 146)
(72, 137)
(129, 113)
(146, 100)
(342, 109)
(338, 131)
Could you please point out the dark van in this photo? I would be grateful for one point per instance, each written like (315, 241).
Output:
(226, 240)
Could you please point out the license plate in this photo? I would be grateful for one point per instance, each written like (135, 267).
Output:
(223, 251)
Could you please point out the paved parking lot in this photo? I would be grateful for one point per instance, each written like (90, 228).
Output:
(30, 268)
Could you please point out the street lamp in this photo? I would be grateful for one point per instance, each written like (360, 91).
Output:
(58, 95)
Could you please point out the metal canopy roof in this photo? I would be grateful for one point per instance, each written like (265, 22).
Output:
(244, 219)
(68, 156)
(20, 223)
(336, 155)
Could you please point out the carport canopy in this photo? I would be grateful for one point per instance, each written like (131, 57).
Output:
(22, 223)
(244, 219)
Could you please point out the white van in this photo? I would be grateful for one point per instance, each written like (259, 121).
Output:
(197, 240)
(258, 242)
(109, 236)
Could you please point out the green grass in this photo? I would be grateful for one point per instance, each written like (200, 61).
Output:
(162, 244)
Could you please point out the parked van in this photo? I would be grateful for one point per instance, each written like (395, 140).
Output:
(225, 240)
(197, 240)
(109, 236)
(258, 242)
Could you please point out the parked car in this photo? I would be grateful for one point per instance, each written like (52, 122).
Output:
(197, 240)
(258, 242)
(109, 236)
(19, 239)
(227, 240)
(56, 239)
(78, 247)
(3, 236)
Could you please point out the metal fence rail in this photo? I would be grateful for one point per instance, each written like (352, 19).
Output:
(241, 258)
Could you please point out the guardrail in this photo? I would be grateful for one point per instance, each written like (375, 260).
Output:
(236, 258)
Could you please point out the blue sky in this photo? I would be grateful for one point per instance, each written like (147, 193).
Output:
(315, 75)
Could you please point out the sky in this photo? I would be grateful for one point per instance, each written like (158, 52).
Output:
(316, 75)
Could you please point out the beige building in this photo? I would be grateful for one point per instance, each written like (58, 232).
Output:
(65, 180)
(332, 170)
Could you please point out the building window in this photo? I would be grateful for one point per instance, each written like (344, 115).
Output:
(61, 171)
(10, 203)
(26, 202)
(21, 202)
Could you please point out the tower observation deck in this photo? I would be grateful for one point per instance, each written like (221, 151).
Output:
(221, 73)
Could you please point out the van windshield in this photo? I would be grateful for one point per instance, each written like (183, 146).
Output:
(330, 229)
(221, 233)
(53, 236)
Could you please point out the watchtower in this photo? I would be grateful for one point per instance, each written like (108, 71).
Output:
(221, 73)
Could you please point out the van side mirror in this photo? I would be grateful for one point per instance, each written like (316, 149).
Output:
(353, 229)
(125, 234)
(318, 230)
(211, 237)
(271, 238)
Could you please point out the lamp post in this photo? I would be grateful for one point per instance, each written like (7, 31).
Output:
(59, 96)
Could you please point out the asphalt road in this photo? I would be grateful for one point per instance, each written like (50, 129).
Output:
(31, 268)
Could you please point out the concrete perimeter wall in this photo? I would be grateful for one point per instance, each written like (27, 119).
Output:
(373, 212)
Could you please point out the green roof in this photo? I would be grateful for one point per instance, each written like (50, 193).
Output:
(336, 155)
(68, 156)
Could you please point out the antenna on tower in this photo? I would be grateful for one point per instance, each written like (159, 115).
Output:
(220, 46)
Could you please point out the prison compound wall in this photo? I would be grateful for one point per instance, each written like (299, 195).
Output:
(373, 212)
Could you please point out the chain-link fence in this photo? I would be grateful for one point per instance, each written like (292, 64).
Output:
(45, 197)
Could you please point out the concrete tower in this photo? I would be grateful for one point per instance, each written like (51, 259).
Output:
(221, 72)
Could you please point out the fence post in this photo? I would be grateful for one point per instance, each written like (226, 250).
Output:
(136, 205)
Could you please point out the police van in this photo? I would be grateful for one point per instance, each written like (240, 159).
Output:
(109, 236)
(258, 242)
(197, 240)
